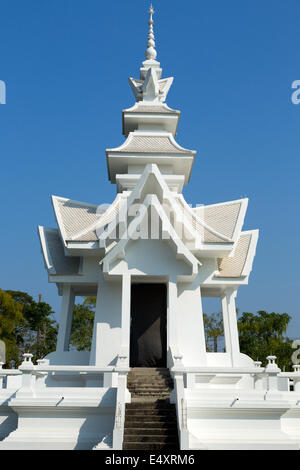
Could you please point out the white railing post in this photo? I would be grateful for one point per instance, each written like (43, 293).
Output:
(181, 409)
(272, 370)
(258, 378)
(183, 414)
(27, 367)
(40, 375)
(2, 374)
(296, 377)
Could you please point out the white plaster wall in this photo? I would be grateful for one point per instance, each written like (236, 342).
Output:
(8, 418)
(62, 429)
(78, 421)
(65, 358)
(154, 257)
(107, 327)
(91, 268)
(14, 382)
(138, 169)
(239, 429)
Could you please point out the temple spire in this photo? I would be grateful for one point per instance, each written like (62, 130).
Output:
(151, 51)
(150, 87)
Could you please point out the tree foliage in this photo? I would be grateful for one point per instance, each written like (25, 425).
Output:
(214, 330)
(264, 334)
(35, 331)
(82, 325)
(10, 317)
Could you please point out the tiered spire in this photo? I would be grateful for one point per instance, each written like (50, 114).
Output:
(150, 87)
(151, 53)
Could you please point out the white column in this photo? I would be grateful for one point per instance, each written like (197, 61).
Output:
(190, 326)
(66, 317)
(106, 341)
(125, 320)
(172, 321)
(226, 326)
(230, 325)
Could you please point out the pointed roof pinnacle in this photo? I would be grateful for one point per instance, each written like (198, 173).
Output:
(151, 87)
(151, 51)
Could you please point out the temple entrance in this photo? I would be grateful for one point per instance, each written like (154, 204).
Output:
(148, 332)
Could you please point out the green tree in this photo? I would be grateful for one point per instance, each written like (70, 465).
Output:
(82, 325)
(214, 330)
(38, 333)
(10, 317)
(264, 334)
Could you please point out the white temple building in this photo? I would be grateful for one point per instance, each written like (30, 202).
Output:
(150, 259)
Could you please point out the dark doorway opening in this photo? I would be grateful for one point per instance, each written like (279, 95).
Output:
(148, 331)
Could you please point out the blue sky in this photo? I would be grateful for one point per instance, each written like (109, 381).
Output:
(66, 63)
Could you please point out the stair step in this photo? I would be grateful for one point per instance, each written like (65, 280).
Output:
(150, 420)
(158, 388)
(152, 431)
(151, 394)
(150, 446)
(151, 383)
(149, 376)
(151, 387)
(150, 412)
(157, 404)
(148, 406)
(136, 370)
(152, 417)
(150, 438)
(151, 424)
(154, 389)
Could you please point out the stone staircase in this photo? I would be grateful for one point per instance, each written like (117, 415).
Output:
(150, 419)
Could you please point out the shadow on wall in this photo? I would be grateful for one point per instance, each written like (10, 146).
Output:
(8, 419)
(99, 422)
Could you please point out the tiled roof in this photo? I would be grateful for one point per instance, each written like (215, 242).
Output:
(150, 144)
(221, 217)
(208, 235)
(233, 267)
(76, 216)
(105, 219)
(84, 222)
(63, 265)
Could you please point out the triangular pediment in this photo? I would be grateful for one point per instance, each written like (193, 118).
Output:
(188, 225)
(160, 228)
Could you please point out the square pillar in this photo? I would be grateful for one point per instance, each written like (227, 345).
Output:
(230, 325)
(172, 293)
(106, 343)
(66, 317)
(124, 353)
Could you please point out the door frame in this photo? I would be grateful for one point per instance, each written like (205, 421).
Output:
(161, 280)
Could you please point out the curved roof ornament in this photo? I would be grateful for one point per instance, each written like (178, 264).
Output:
(151, 52)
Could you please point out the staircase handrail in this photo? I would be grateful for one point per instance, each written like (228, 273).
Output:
(118, 432)
(181, 408)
